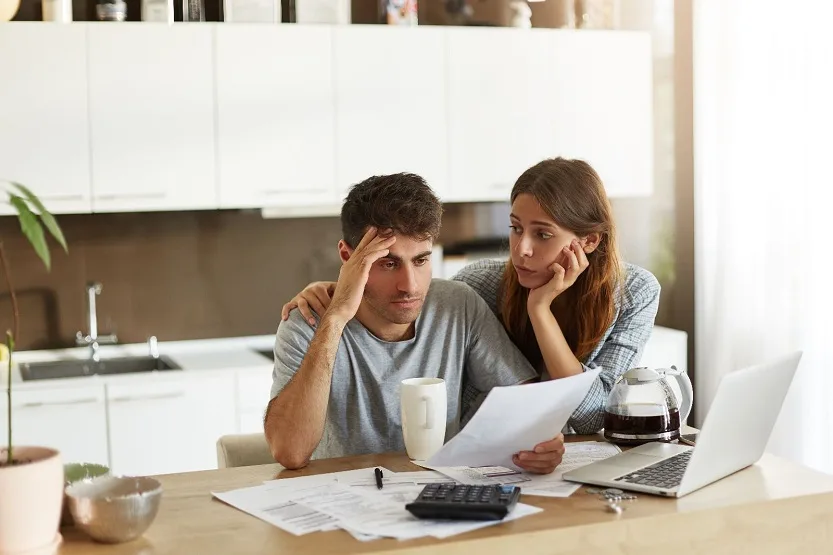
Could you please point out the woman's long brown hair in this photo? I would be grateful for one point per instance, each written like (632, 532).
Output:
(572, 194)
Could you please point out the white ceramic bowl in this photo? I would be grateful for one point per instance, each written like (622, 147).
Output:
(114, 509)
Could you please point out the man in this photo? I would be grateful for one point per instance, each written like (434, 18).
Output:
(335, 388)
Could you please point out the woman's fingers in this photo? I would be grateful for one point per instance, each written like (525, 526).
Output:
(287, 308)
(581, 256)
(304, 307)
(572, 262)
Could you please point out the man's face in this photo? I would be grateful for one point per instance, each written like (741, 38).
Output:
(398, 283)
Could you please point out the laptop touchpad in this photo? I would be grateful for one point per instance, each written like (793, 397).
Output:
(632, 460)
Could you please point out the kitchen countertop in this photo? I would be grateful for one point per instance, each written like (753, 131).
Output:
(234, 353)
(200, 355)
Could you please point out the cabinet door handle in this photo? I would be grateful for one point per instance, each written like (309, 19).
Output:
(62, 198)
(84, 401)
(131, 196)
(130, 399)
(272, 192)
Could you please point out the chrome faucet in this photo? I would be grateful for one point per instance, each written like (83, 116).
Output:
(93, 340)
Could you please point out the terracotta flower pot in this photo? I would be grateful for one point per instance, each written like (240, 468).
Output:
(30, 504)
(8, 8)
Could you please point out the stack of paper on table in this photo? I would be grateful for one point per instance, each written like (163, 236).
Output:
(578, 454)
(349, 501)
(546, 485)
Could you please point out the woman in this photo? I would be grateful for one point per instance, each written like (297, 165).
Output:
(564, 297)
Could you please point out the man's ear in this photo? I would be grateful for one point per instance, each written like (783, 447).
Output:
(591, 241)
(344, 251)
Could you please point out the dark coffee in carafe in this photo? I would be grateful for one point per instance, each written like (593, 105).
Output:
(639, 423)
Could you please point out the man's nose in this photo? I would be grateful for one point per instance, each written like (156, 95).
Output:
(407, 280)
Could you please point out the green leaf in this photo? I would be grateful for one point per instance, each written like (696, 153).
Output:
(47, 218)
(31, 228)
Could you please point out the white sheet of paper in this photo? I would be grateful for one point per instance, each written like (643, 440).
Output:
(412, 478)
(475, 476)
(368, 514)
(513, 419)
(578, 454)
(381, 515)
(346, 476)
(276, 508)
(521, 510)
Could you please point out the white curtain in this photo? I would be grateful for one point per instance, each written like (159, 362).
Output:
(763, 125)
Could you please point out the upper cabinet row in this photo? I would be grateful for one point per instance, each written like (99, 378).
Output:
(130, 117)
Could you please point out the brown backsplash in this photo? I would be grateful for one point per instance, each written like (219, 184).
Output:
(176, 275)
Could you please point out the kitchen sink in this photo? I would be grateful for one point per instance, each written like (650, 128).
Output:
(80, 368)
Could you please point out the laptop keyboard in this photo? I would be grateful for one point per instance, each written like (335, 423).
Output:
(664, 474)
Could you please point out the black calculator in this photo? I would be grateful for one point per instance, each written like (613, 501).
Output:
(464, 502)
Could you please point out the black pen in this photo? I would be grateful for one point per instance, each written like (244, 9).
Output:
(378, 473)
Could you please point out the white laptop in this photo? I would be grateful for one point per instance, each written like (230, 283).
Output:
(734, 436)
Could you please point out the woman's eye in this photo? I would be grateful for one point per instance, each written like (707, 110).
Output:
(515, 229)
(545, 235)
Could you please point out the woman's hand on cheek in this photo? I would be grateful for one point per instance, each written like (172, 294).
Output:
(576, 261)
(570, 263)
(543, 296)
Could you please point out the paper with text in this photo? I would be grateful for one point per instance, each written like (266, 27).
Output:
(513, 419)
(578, 454)
(481, 476)
(385, 515)
(275, 507)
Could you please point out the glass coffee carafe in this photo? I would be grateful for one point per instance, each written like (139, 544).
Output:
(643, 406)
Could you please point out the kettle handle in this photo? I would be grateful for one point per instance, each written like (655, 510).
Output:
(688, 394)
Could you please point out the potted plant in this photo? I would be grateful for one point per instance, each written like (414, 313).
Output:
(31, 478)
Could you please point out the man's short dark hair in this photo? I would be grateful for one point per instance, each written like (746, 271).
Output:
(402, 202)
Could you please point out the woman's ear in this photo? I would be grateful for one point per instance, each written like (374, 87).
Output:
(590, 242)
(344, 251)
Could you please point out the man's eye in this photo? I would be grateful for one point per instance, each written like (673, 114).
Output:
(420, 262)
(389, 265)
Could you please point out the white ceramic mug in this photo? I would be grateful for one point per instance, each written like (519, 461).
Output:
(424, 405)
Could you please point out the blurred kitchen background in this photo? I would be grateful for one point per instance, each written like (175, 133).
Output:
(223, 273)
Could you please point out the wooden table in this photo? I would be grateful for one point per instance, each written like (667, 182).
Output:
(774, 507)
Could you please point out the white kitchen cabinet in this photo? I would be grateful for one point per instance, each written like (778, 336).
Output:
(275, 115)
(151, 102)
(499, 106)
(72, 420)
(43, 113)
(169, 425)
(390, 85)
(517, 97)
(602, 107)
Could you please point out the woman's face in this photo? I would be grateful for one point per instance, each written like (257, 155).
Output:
(536, 242)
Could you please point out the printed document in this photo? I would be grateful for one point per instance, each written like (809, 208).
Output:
(513, 419)
(384, 515)
(578, 454)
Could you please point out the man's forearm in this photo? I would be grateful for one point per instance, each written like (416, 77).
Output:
(295, 418)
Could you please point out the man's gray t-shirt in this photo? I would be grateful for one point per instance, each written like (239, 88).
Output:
(456, 333)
